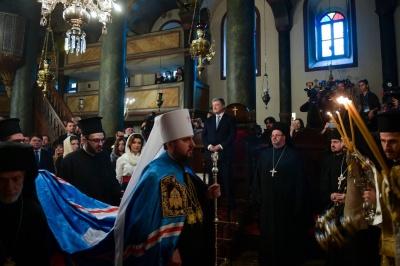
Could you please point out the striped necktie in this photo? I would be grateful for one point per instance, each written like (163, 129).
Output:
(218, 119)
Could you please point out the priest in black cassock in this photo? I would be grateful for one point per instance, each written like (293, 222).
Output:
(24, 233)
(89, 169)
(333, 181)
(280, 187)
(333, 173)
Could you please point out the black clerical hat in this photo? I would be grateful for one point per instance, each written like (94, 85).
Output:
(335, 134)
(282, 127)
(9, 127)
(389, 121)
(91, 125)
(15, 156)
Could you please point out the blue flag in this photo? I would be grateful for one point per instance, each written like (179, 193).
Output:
(81, 225)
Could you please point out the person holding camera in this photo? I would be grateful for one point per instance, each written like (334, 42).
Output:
(370, 106)
(148, 124)
(313, 108)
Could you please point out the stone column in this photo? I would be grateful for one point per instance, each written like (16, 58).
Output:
(240, 56)
(388, 43)
(112, 76)
(285, 83)
(188, 68)
(23, 93)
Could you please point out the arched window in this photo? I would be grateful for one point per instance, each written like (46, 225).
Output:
(329, 35)
(257, 49)
(170, 25)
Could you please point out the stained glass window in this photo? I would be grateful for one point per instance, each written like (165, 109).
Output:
(332, 39)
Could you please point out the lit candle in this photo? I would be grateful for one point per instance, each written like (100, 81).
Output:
(370, 140)
(340, 131)
(345, 102)
(341, 124)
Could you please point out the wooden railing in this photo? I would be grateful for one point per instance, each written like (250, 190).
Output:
(51, 112)
(59, 105)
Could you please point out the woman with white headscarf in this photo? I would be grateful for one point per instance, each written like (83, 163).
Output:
(126, 164)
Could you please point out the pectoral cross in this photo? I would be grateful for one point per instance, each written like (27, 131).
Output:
(340, 179)
(273, 171)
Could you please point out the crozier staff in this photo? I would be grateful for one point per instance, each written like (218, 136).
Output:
(280, 186)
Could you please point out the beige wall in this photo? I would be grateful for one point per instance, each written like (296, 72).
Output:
(369, 57)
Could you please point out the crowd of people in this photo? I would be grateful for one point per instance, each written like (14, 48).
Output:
(169, 77)
(165, 212)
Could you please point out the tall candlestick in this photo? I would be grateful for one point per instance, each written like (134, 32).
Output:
(346, 141)
(341, 124)
(370, 140)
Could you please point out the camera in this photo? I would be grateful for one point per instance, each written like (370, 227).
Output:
(148, 118)
(389, 92)
(311, 92)
(347, 83)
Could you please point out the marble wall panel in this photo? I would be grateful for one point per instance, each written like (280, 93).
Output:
(146, 99)
(153, 43)
(90, 103)
(91, 54)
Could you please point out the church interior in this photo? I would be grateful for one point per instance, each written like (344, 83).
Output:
(259, 55)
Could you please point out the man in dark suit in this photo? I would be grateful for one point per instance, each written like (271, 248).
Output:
(218, 135)
(70, 128)
(43, 157)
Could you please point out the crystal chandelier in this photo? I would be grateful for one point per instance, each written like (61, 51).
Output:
(201, 48)
(76, 14)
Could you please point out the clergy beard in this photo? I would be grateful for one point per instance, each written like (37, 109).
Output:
(89, 149)
(9, 199)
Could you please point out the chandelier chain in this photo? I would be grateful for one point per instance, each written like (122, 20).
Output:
(194, 13)
(265, 49)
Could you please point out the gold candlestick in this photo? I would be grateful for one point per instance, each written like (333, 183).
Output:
(342, 125)
(346, 141)
(370, 140)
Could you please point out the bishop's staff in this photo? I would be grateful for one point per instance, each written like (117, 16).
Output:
(214, 157)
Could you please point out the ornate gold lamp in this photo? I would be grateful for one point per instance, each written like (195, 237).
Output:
(76, 13)
(11, 47)
(46, 77)
(200, 48)
(160, 99)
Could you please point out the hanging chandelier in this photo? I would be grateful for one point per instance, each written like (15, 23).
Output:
(45, 76)
(200, 48)
(265, 93)
(12, 32)
(76, 14)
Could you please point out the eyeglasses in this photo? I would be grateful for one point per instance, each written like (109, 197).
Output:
(277, 135)
(97, 140)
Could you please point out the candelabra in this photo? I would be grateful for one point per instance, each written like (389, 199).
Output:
(80, 104)
(128, 102)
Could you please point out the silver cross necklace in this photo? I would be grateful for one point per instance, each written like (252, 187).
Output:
(341, 177)
(273, 171)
